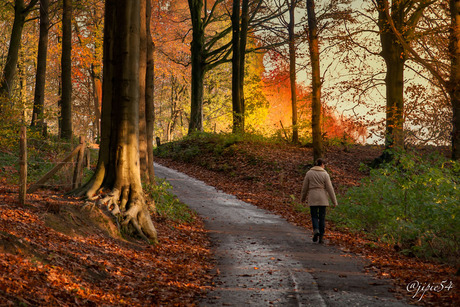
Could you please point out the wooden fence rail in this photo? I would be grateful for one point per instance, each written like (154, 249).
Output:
(77, 177)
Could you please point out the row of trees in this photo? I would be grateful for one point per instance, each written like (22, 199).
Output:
(198, 43)
(407, 35)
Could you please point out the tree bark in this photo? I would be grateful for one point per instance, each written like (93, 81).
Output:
(198, 67)
(9, 71)
(97, 98)
(118, 165)
(292, 69)
(454, 82)
(316, 81)
(243, 42)
(40, 79)
(66, 67)
(149, 90)
(236, 68)
(393, 54)
(143, 157)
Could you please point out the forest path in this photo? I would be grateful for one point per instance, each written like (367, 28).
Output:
(262, 260)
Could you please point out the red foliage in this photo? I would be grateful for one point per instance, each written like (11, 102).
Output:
(278, 93)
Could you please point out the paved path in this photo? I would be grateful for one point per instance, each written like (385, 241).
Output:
(263, 260)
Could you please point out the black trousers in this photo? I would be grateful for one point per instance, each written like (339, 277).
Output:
(318, 218)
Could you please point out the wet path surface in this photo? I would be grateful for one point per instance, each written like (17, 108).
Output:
(263, 260)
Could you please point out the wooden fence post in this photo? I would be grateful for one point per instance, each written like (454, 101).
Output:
(77, 174)
(23, 166)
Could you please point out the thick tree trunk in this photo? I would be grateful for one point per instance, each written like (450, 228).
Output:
(143, 157)
(316, 81)
(118, 166)
(66, 66)
(454, 82)
(149, 90)
(40, 79)
(292, 69)
(393, 54)
(198, 69)
(9, 71)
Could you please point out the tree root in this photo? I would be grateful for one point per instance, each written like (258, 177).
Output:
(137, 215)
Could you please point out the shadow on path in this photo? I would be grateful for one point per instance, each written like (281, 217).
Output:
(262, 260)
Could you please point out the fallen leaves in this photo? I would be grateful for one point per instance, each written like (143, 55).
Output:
(86, 266)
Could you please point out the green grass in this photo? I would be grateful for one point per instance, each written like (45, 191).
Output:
(166, 204)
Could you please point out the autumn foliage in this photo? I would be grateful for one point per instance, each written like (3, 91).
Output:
(277, 92)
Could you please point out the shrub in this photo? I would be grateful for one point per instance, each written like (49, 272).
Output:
(412, 202)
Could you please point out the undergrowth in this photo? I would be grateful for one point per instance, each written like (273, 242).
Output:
(411, 202)
(167, 205)
(216, 144)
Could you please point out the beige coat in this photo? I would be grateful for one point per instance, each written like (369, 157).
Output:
(316, 185)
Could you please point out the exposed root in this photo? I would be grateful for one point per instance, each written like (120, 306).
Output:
(90, 206)
(137, 214)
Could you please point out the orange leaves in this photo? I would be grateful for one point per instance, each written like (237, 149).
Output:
(41, 266)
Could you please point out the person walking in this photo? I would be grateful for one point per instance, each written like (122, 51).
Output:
(315, 188)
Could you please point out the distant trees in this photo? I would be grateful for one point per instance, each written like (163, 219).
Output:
(292, 4)
(313, 43)
(405, 16)
(66, 71)
(40, 79)
(206, 52)
(21, 11)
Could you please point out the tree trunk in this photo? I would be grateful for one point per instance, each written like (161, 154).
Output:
(22, 90)
(118, 165)
(9, 71)
(66, 66)
(40, 79)
(97, 98)
(243, 42)
(316, 81)
(149, 90)
(393, 54)
(236, 67)
(198, 69)
(142, 83)
(292, 69)
(454, 82)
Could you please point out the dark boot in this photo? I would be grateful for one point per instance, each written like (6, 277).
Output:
(321, 239)
(315, 235)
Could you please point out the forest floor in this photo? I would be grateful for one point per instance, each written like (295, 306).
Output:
(270, 177)
(53, 253)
